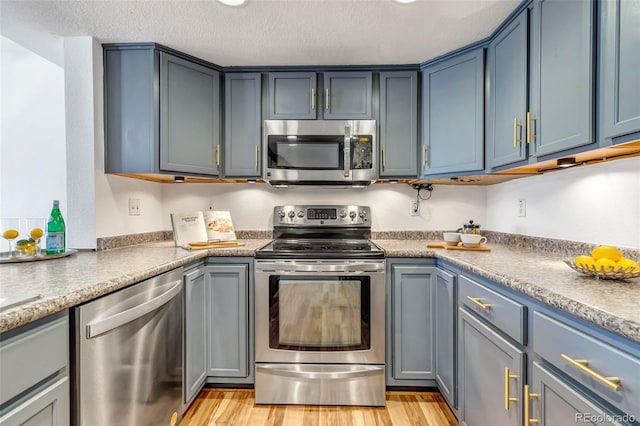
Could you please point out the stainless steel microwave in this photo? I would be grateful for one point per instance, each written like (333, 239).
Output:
(320, 152)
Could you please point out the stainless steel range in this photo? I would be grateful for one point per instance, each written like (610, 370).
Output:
(320, 309)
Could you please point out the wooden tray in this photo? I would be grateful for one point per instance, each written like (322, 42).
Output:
(442, 244)
(207, 246)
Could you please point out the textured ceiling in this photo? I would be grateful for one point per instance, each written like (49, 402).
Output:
(263, 32)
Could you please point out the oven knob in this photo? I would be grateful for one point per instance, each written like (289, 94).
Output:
(281, 214)
(292, 214)
(343, 213)
(362, 214)
(352, 215)
(300, 213)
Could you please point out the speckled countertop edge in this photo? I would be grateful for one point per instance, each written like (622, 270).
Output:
(543, 277)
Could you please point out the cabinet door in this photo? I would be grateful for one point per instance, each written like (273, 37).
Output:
(453, 115)
(445, 300)
(293, 96)
(486, 358)
(413, 312)
(47, 405)
(189, 117)
(228, 320)
(195, 283)
(562, 79)
(620, 65)
(347, 95)
(558, 403)
(507, 56)
(242, 124)
(398, 124)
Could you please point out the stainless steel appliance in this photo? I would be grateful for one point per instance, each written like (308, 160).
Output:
(320, 309)
(128, 355)
(320, 152)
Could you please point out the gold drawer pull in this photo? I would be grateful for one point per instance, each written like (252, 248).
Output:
(527, 408)
(476, 301)
(507, 399)
(326, 99)
(583, 365)
(313, 98)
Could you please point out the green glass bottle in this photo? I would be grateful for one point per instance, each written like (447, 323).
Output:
(56, 242)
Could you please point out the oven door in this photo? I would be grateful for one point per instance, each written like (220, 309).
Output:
(320, 151)
(319, 311)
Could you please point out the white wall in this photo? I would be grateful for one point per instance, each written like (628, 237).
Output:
(597, 204)
(252, 205)
(32, 133)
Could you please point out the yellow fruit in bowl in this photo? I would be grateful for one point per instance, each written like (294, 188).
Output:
(584, 261)
(627, 265)
(606, 252)
(605, 264)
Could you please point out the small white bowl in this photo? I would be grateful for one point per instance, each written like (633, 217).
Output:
(451, 238)
(472, 240)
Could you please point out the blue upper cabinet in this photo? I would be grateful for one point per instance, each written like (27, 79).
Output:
(398, 124)
(507, 68)
(347, 95)
(189, 117)
(620, 67)
(293, 96)
(562, 75)
(453, 115)
(242, 124)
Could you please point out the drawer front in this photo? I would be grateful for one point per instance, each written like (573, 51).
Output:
(501, 311)
(32, 356)
(562, 345)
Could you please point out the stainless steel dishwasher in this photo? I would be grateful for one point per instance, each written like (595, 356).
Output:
(128, 355)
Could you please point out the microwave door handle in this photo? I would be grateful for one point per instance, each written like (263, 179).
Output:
(347, 150)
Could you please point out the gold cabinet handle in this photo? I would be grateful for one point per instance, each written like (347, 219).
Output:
(527, 408)
(507, 399)
(313, 98)
(326, 99)
(384, 160)
(257, 156)
(424, 155)
(583, 365)
(530, 134)
(476, 301)
(516, 133)
(217, 155)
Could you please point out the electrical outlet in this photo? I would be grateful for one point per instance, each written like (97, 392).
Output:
(522, 207)
(414, 208)
(134, 207)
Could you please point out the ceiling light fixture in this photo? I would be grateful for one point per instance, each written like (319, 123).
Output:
(233, 2)
(404, 1)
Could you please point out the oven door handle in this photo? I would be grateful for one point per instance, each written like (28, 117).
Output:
(347, 151)
(363, 371)
(322, 267)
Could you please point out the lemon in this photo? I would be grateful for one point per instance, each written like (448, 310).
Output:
(605, 264)
(627, 265)
(37, 233)
(585, 261)
(10, 234)
(606, 252)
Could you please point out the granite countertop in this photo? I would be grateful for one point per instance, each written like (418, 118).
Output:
(67, 282)
(612, 305)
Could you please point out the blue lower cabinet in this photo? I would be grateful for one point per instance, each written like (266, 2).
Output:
(491, 375)
(445, 334)
(195, 359)
(410, 324)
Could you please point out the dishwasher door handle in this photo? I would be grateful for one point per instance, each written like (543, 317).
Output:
(102, 326)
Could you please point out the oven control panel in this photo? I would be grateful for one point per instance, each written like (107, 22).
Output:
(322, 215)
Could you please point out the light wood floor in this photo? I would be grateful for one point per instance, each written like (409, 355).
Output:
(236, 407)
